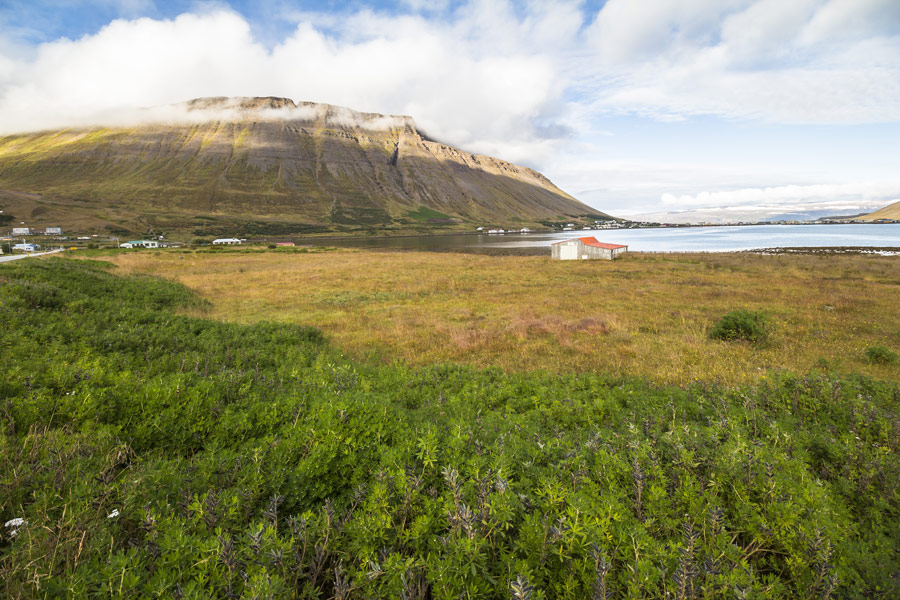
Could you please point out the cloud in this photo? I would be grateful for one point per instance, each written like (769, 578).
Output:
(528, 81)
(809, 201)
(868, 191)
(492, 66)
(805, 61)
(491, 70)
(439, 72)
(203, 110)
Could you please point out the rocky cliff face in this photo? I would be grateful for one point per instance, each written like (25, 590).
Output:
(231, 160)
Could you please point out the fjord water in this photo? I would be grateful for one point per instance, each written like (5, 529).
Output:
(670, 239)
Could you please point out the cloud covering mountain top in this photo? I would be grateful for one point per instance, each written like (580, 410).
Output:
(540, 83)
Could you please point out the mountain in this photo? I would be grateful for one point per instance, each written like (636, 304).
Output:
(797, 211)
(250, 166)
(891, 212)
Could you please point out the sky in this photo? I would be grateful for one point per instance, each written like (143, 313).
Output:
(732, 109)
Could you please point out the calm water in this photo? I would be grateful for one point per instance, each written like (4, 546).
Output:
(686, 239)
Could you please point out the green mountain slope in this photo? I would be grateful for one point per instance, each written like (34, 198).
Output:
(226, 162)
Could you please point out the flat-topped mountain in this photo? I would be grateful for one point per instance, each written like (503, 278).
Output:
(265, 165)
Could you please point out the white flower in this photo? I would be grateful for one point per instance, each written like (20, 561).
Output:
(113, 514)
(14, 525)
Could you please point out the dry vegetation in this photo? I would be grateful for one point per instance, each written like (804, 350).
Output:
(647, 315)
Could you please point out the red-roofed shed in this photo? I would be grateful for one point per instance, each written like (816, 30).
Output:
(586, 248)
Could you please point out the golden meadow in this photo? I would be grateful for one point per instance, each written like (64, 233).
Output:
(646, 315)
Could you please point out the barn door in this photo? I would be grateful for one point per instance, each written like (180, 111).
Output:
(568, 252)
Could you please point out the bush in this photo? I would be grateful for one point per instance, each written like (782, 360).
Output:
(219, 460)
(747, 325)
(38, 295)
(881, 355)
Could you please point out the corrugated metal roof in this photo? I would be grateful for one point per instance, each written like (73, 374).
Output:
(592, 241)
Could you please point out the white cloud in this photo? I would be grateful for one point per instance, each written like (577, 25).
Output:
(441, 73)
(804, 61)
(493, 69)
(867, 192)
(527, 81)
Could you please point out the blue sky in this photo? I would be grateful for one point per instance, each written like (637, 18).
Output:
(732, 108)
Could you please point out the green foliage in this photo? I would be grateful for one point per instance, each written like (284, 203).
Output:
(881, 355)
(151, 454)
(257, 228)
(424, 213)
(745, 325)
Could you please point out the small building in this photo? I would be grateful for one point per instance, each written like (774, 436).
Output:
(227, 242)
(284, 244)
(26, 247)
(17, 231)
(586, 248)
(53, 231)
(140, 244)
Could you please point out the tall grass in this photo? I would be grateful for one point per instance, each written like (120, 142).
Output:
(647, 315)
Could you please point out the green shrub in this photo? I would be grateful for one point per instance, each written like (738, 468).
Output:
(38, 295)
(881, 355)
(146, 453)
(747, 325)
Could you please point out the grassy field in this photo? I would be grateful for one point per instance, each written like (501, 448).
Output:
(647, 315)
(150, 454)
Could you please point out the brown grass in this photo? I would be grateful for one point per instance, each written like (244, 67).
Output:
(645, 315)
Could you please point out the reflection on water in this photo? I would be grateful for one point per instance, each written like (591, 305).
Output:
(681, 239)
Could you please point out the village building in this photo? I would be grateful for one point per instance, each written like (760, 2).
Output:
(227, 242)
(53, 231)
(140, 244)
(17, 231)
(586, 248)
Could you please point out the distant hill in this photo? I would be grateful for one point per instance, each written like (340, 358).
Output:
(250, 166)
(891, 211)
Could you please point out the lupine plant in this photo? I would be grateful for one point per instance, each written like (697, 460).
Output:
(148, 454)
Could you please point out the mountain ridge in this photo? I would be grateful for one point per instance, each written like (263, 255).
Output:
(212, 164)
(889, 212)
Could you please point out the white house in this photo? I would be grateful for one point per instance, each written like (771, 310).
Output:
(53, 231)
(586, 248)
(140, 244)
(26, 247)
(17, 231)
(227, 242)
